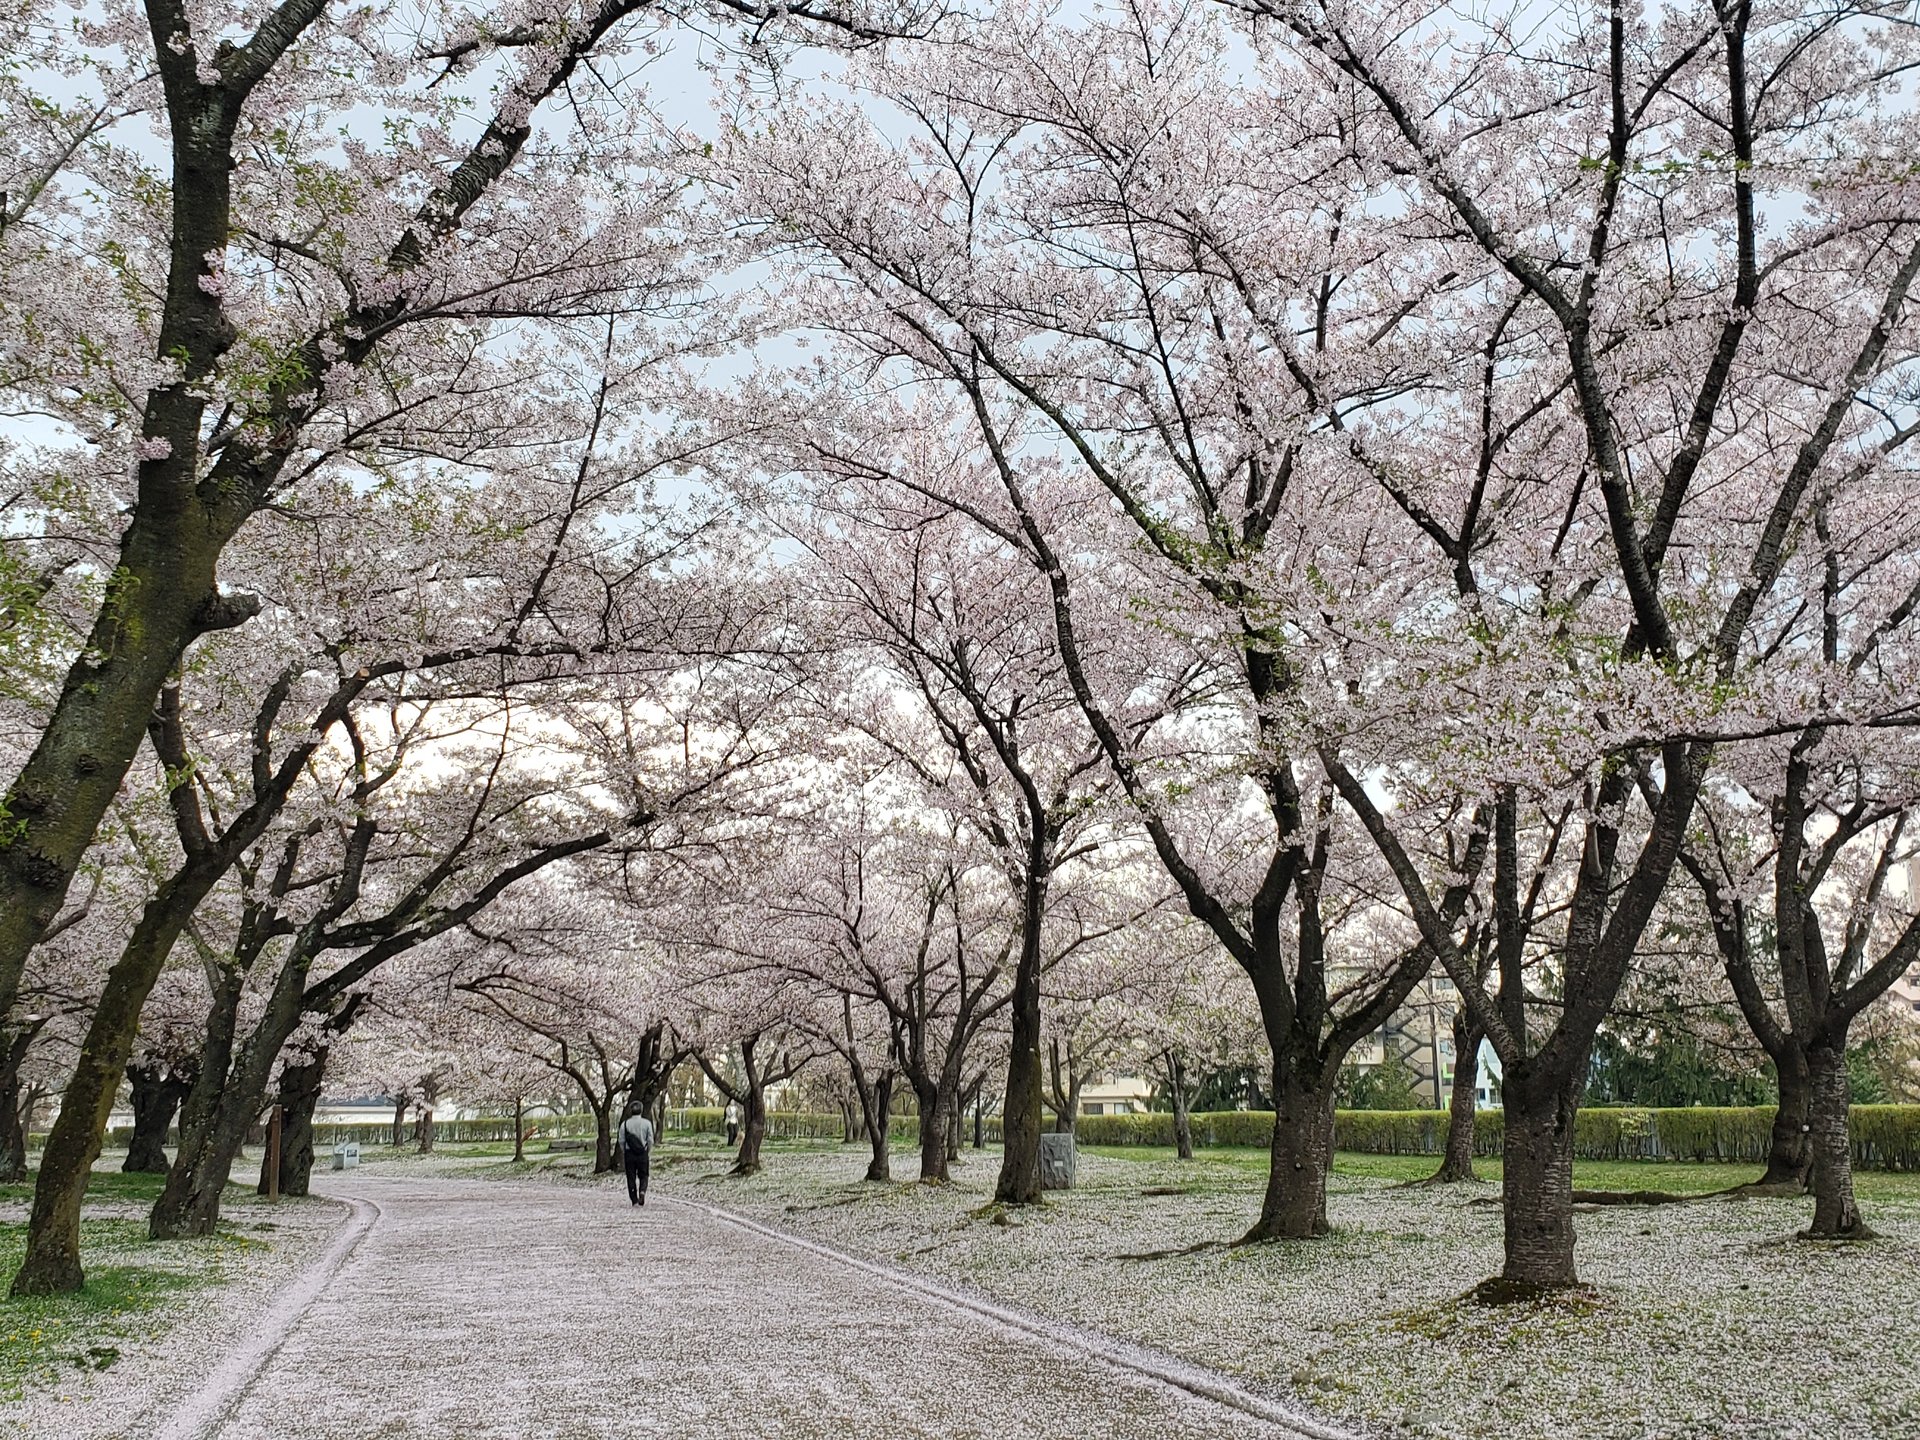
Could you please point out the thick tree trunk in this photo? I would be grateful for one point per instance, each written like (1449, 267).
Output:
(1295, 1206)
(1019, 1180)
(1790, 1148)
(1067, 1121)
(13, 1122)
(156, 599)
(218, 1115)
(423, 1130)
(1182, 1119)
(603, 1158)
(210, 1139)
(189, 1203)
(876, 1114)
(876, 1103)
(161, 594)
(52, 1261)
(1456, 1164)
(519, 1129)
(13, 1132)
(934, 1103)
(157, 1091)
(1836, 1215)
(1538, 1185)
(400, 1107)
(753, 1132)
(299, 1096)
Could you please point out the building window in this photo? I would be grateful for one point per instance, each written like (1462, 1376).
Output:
(1096, 1108)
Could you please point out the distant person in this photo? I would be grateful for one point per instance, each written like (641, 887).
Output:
(733, 1124)
(636, 1145)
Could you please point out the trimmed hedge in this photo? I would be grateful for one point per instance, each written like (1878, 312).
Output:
(816, 1125)
(1885, 1137)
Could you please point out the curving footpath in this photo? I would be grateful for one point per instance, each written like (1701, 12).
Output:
(467, 1308)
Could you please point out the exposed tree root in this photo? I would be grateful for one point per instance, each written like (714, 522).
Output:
(1769, 1190)
(1856, 1233)
(1438, 1179)
(1202, 1248)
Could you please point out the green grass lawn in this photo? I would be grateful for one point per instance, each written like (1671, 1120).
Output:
(1223, 1167)
(46, 1340)
(103, 1185)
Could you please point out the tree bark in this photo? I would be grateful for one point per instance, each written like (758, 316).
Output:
(226, 1103)
(400, 1107)
(519, 1128)
(874, 1114)
(423, 1130)
(210, 1138)
(603, 1160)
(953, 1129)
(52, 1261)
(934, 1102)
(1790, 1147)
(753, 1130)
(157, 1092)
(161, 594)
(1836, 1215)
(299, 1097)
(1537, 1185)
(1182, 1120)
(1019, 1180)
(13, 1123)
(1456, 1164)
(13, 1132)
(1295, 1205)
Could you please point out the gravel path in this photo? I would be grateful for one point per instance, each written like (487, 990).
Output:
(484, 1309)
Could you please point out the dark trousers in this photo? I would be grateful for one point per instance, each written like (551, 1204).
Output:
(636, 1172)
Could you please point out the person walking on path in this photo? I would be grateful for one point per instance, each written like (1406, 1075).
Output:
(636, 1144)
(733, 1123)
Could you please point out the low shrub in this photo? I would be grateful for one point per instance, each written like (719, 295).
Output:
(1885, 1137)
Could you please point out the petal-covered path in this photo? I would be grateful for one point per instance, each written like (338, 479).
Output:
(466, 1308)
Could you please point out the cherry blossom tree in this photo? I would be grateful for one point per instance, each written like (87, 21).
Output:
(1085, 381)
(325, 294)
(563, 981)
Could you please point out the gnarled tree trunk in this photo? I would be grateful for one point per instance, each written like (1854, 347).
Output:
(52, 1262)
(603, 1158)
(1790, 1146)
(13, 1123)
(753, 1131)
(875, 1114)
(299, 1096)
(226, 1102)
(157, 1091)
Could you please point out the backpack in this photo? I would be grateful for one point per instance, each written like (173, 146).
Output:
(629, 1141)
